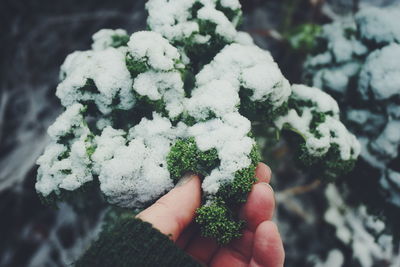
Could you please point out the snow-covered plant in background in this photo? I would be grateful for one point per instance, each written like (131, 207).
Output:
(358, 62)
(362, 232)
(143, 110)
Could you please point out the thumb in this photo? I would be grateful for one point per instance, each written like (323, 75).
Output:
(173, 212)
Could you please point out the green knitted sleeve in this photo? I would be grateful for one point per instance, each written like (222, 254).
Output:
(132, 242)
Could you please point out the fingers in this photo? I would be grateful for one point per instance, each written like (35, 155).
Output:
(173, 212)
(244, 245)
(268, 248)
(202, 248)
(259, 207)
(237, 253)
(187, 234)
(263, 173)
(228, 257)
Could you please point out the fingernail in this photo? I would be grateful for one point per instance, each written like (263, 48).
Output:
(267, 184)
(186, 178)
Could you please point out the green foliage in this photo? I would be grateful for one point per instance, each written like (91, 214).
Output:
(148, 106)
(326, 168)
(317, 119)
(119, 40)
(218, 221)
(232, 15)
(135, 67)
(185, 157)
(259, 110)
(303, 37)
(238, 190)
(218, 217)
(202, 53)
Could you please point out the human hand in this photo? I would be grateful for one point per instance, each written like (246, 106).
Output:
(260, 245)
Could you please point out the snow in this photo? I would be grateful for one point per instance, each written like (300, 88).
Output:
(390, 181)
(83, 65)
(332, 68)
(229, 135)
(106, 144)
(224, 26)
(387, 144)
(166, 86)
(62, 166)
(137, 172)
(342, 47)
(322, 101)
(332, 131)
(152, 48)
(104, 38)
(356, 228)
(217, 97)
(71, 121)
(250, 67)
(231, 4)
(381, 73)
(174, 21)
(244, 38)
(335, 259)
(336, 79)
(361, 65)
(379, 24)
(130, 163)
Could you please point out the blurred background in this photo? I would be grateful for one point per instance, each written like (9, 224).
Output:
(35, 38)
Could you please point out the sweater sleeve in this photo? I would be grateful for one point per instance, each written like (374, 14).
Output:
(132, 242)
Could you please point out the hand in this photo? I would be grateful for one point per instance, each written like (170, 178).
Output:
(260, 245)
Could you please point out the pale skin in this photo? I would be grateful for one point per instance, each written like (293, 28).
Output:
(260, 245)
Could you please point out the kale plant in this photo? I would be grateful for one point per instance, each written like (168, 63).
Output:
(358, 62)
(143, 110)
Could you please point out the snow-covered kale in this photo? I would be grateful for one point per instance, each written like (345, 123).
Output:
(141, 111)
(358, 61)
(326, 147)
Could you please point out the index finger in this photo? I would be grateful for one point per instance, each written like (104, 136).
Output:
(263, 173)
